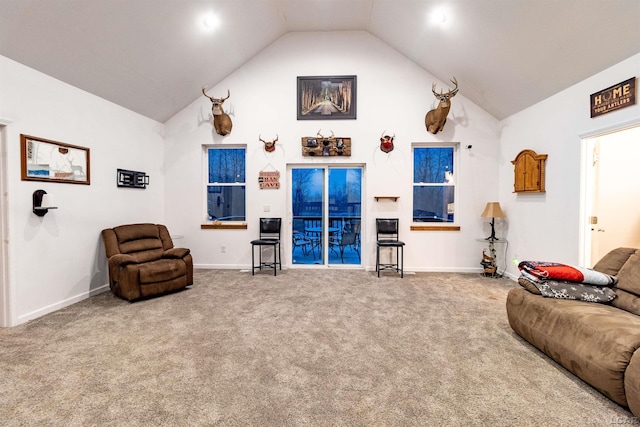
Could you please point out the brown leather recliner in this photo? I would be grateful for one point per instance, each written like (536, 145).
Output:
(143, 261)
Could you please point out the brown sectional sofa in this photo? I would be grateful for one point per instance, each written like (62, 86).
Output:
(597, 342)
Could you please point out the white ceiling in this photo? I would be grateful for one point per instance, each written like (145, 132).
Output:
(152, 56)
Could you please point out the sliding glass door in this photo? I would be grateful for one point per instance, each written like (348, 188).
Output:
(307, 206)
(345, 201)
(326, 215)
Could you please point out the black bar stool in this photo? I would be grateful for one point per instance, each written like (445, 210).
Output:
(387, 237)
(269, 236)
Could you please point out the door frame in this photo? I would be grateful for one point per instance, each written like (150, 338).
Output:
(587, 183)
(287, 235)
(5, 289)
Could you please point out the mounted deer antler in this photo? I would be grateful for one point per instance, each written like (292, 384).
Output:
(386, 142)
(269, 146)
(436, 118)
(221, 120)
(325, 137)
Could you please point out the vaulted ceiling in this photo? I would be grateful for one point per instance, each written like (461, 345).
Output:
(153, 56)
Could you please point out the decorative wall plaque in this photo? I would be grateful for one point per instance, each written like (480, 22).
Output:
(319, 146)
(269, 180)
(132, 179)
(614, 98)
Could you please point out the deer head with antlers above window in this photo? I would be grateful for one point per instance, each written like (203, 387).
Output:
(221, 120)
(436, 118)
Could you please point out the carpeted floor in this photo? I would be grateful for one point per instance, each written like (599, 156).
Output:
(305, 348)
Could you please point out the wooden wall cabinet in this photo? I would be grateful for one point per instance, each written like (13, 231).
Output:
(529, 172)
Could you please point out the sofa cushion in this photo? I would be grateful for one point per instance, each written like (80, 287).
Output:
(612, 262)
(136, 239)
(528, 285)
(629, 275)
(627, 301)
(632, 384)
(162, 270)
(176, 253)
(594, 341)
(129, 232)
(140, 245)
(146, 256)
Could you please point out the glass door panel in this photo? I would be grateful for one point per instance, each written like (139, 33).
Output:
(345, 202)
(307, 195)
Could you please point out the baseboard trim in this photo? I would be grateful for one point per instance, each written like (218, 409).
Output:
(222, 266)
(469, 270)
(61, 304)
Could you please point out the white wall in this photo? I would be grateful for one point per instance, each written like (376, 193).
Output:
(546, 226)
(393, 94)
(59, 259)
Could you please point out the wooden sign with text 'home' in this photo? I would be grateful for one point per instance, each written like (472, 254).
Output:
(614, 98)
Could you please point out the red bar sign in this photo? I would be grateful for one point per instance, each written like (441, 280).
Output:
(269, 179)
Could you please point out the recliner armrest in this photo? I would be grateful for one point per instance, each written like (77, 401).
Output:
(122, 259)
(177, 253)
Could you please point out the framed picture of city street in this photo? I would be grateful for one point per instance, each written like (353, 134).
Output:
(326, 97)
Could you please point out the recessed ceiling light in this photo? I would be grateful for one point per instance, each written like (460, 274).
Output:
(438, 16)
(210, 21)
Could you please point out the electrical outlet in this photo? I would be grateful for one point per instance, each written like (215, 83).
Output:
(223, 249)
(267, 208)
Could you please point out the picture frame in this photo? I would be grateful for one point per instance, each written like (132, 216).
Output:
(326, 97)
(52, 161)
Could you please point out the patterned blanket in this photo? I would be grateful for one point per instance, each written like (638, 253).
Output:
(563, 272)
(566, 290)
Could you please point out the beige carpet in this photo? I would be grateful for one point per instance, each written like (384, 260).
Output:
(305, 348)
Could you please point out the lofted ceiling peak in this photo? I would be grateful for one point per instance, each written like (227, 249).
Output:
(153, 56)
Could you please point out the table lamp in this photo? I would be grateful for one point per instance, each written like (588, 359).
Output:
(493, 211)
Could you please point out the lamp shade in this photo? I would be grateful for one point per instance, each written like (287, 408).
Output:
(493, 210)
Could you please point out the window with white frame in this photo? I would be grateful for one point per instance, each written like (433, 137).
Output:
(434, 185)
(226, 187)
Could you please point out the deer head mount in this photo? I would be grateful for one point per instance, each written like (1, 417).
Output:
(221, 120)
(386, 142)
(269, 146)
(436, 118)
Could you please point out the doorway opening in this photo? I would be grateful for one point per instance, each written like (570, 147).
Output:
(610, 199)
